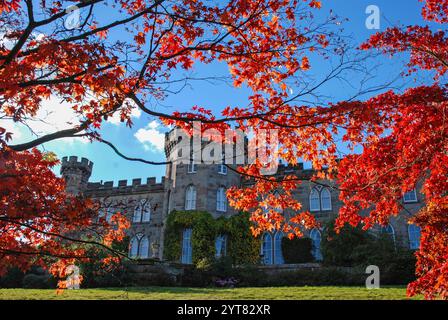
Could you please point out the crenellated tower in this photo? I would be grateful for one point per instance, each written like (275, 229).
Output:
(76, 173)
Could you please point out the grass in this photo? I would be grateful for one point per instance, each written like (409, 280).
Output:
(167, 293)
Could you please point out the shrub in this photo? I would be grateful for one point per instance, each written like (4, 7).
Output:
(35, 281)
(12, 279)
(297, 250)
(342, 249)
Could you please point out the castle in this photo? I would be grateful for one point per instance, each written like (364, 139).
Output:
(203, 187)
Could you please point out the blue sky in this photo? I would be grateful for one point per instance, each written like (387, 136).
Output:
(108, 166)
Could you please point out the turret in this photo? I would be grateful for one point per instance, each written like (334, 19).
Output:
(76, 173)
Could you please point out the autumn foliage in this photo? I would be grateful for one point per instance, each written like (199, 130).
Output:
(265, 45)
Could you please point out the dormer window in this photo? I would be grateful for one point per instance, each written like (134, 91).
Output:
(410, 197)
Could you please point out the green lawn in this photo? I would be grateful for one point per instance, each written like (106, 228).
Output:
(283, 293)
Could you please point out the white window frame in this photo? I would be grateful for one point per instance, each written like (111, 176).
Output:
(187, 250)
(267, 252)
(414, 193)
(190, 198)
(221, 200)
(278, 253)
(142, 212)
(322, 202)
(414, 244)
(316, 199)
(136, 246)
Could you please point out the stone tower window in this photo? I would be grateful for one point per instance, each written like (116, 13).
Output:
(190, 198)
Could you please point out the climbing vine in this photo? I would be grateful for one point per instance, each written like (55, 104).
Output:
(242, 246)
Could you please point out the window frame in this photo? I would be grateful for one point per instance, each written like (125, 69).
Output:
(187, 247)
(414, 200)
(221, 199)
(190, 203)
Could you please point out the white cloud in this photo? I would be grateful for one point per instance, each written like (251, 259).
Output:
(152, 138)
(53, 115)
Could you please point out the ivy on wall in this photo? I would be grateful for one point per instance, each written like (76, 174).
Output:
(242, 246)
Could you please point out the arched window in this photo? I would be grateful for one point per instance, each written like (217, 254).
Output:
(316, 239)
(133, 248)
(142, 212)
(221, 200)
(221, 246)
(278, 254)
(389, 230)
(325, 199)
(190, 198)
(314, 200)
(414, 236)
(139, 246)
(320, 199)
(143, 251)
(146, 211)
(187, 257)
(266, 249)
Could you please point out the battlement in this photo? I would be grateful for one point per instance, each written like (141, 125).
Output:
(151, 184)
(72, 161)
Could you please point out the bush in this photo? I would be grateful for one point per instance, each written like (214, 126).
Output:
(297, 250)
(343, 249)
(35, 281)
(12, 279)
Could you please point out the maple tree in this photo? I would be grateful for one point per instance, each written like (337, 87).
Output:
(264, 43)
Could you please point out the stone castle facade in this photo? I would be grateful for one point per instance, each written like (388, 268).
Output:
(202, 187)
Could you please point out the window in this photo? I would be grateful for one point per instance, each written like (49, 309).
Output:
(222, 169)
(221, 246)
(143, 248)
(139, 246)
(316, 239)
(314, 200)
(325, 199)
(192, 166)
(389, 230)
(266, 249)
(414, 236)
(410, 197)
(109, 213)
(142, 212)
(320, 199)
(186, 247)
(133, 251)
(221, 200)
(190, 198)
(278, 254)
